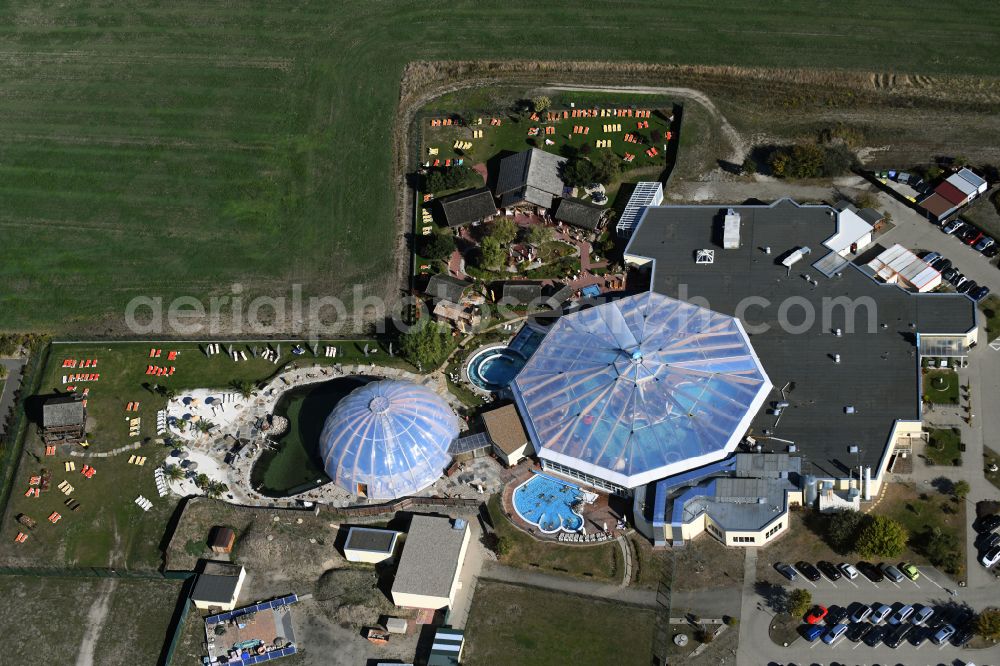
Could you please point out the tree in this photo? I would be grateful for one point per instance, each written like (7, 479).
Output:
(243, 386)
(450, 178)
(539, 234)
(961, 489)
(578, 172)
(503, 231)
(881, 536)
(437, 246)
(426, 344)
(201, 480)
(203, 426)
(842, 529)
(607, 166)
(174, 472)
(749, 166)
(541, 103)
(988, 624)
(168, 392)
(799, 602)
(491, 253)
(942, 549)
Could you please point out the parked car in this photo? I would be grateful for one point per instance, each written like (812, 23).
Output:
(990, 557)
(967, 286)
(972, 237)
(834, 633)
(880, 612)
(989, 523)
(857, 631)
(918, 635)
(943, 634)
(952, 226)
(902, 615)
(957, 279)
(808, 570)
(909, 570)
(860, 612)
(897, 634)
(829, 570)
(931, 257)
(980, 293)
(848, 570)
(891, 572)
(816, 615)
(786, 570)
(875, 635)
(921, 614)
(962, 618)
(984, 243)
(949, 274)
(871, 572)
(992, 251)
(812, 632)
(962, 636)
(836, 614)
(942, 264)
(990, 540)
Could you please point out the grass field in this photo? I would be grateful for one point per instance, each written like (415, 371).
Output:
(176, 148)
(943, 448)
(520, 625)
(109, 529)
(941, 387)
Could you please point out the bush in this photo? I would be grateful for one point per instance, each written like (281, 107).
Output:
(504, 231)
(749, 166)
(450, 178)
(704, 636)
(881, 536)
(842, 530)
(579, 172)
(988, 624)
(541, 103)
(426, 345)
(799, 602)
(805, 160)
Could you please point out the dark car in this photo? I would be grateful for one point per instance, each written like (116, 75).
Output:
(875, 635)
(989, 540)
(896, 636)
(836, 614)
(786, 570)
(942, 264)
(972, 238)
(956, 278)
(989, 523)
(829, 570)
(992, 250)
(962, 636)
(871, 572)
(950, 274)
(962, 618)
(857, 631)
(980, 293)
(967, 287)
(808, 570)
(918, 635)
(939, 619)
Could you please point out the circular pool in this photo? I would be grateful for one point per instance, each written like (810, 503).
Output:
(492, 369)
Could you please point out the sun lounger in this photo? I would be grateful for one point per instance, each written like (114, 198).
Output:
(54, 517)
(131, 459)
(71, 466)
(21, 537)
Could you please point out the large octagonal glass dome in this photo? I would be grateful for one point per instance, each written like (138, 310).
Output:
(388, 439)
(640, 388)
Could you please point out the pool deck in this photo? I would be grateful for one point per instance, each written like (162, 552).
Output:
(594, 515)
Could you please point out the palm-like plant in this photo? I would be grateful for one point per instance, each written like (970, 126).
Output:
(174, 472)
(204, 426)
(243, 387)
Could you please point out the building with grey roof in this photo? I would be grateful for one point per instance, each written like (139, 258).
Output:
(64, 420)
(522, 292)
(443, 287)
(369, 544)
(843, 352)
(532, 177)
(579, 214)
(218, 586)
(429, 568)
(468, 207)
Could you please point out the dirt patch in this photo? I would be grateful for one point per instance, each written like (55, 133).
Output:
(96, 616)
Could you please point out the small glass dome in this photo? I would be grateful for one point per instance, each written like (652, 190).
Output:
(388, 439)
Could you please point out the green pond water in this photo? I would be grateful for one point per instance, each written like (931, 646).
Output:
(295, 465)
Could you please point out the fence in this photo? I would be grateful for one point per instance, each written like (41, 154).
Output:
(94, 572)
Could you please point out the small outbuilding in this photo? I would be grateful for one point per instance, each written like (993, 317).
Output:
(446, 650)
(468, 207)
(64, 420)
(443, 287)
(218, 586)
(427, 576)
(579, 214)
(222, 539)
(510, 442)
(371, 545)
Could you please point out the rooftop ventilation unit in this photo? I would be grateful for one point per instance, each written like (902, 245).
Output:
(849, 409)
(853, 448)
(795, 257)
(704, 257)
(731, 230)
(791, 449)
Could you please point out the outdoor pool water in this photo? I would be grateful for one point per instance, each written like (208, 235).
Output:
(493, 369)
(548, 502)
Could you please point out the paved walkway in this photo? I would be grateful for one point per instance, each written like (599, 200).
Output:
(10, 386)
(610, 591)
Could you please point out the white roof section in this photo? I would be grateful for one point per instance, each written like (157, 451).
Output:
(962, 184)
(640, 388)
(851, 228)
(731, 230)
(645, 194)
(972, 179)
(795, 257)
(898, 265)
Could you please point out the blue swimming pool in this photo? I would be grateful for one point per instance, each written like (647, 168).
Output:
(548, 502)
(494, 368)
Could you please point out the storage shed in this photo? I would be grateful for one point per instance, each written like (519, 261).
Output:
(367, 544)
(432, 559)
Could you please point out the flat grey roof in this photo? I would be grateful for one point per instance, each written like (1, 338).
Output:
(370, 539)
(877, 373)
(215, 589)
(430, 559)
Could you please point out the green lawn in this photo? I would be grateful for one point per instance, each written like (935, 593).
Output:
(109, 529)
(509, 624)
(599, 562)
(991, 311)
(921, 511)
(941, 387)
(943, 448)
(169, 149)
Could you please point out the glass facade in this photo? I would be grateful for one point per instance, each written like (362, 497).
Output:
(640, 388)
(388, 439)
